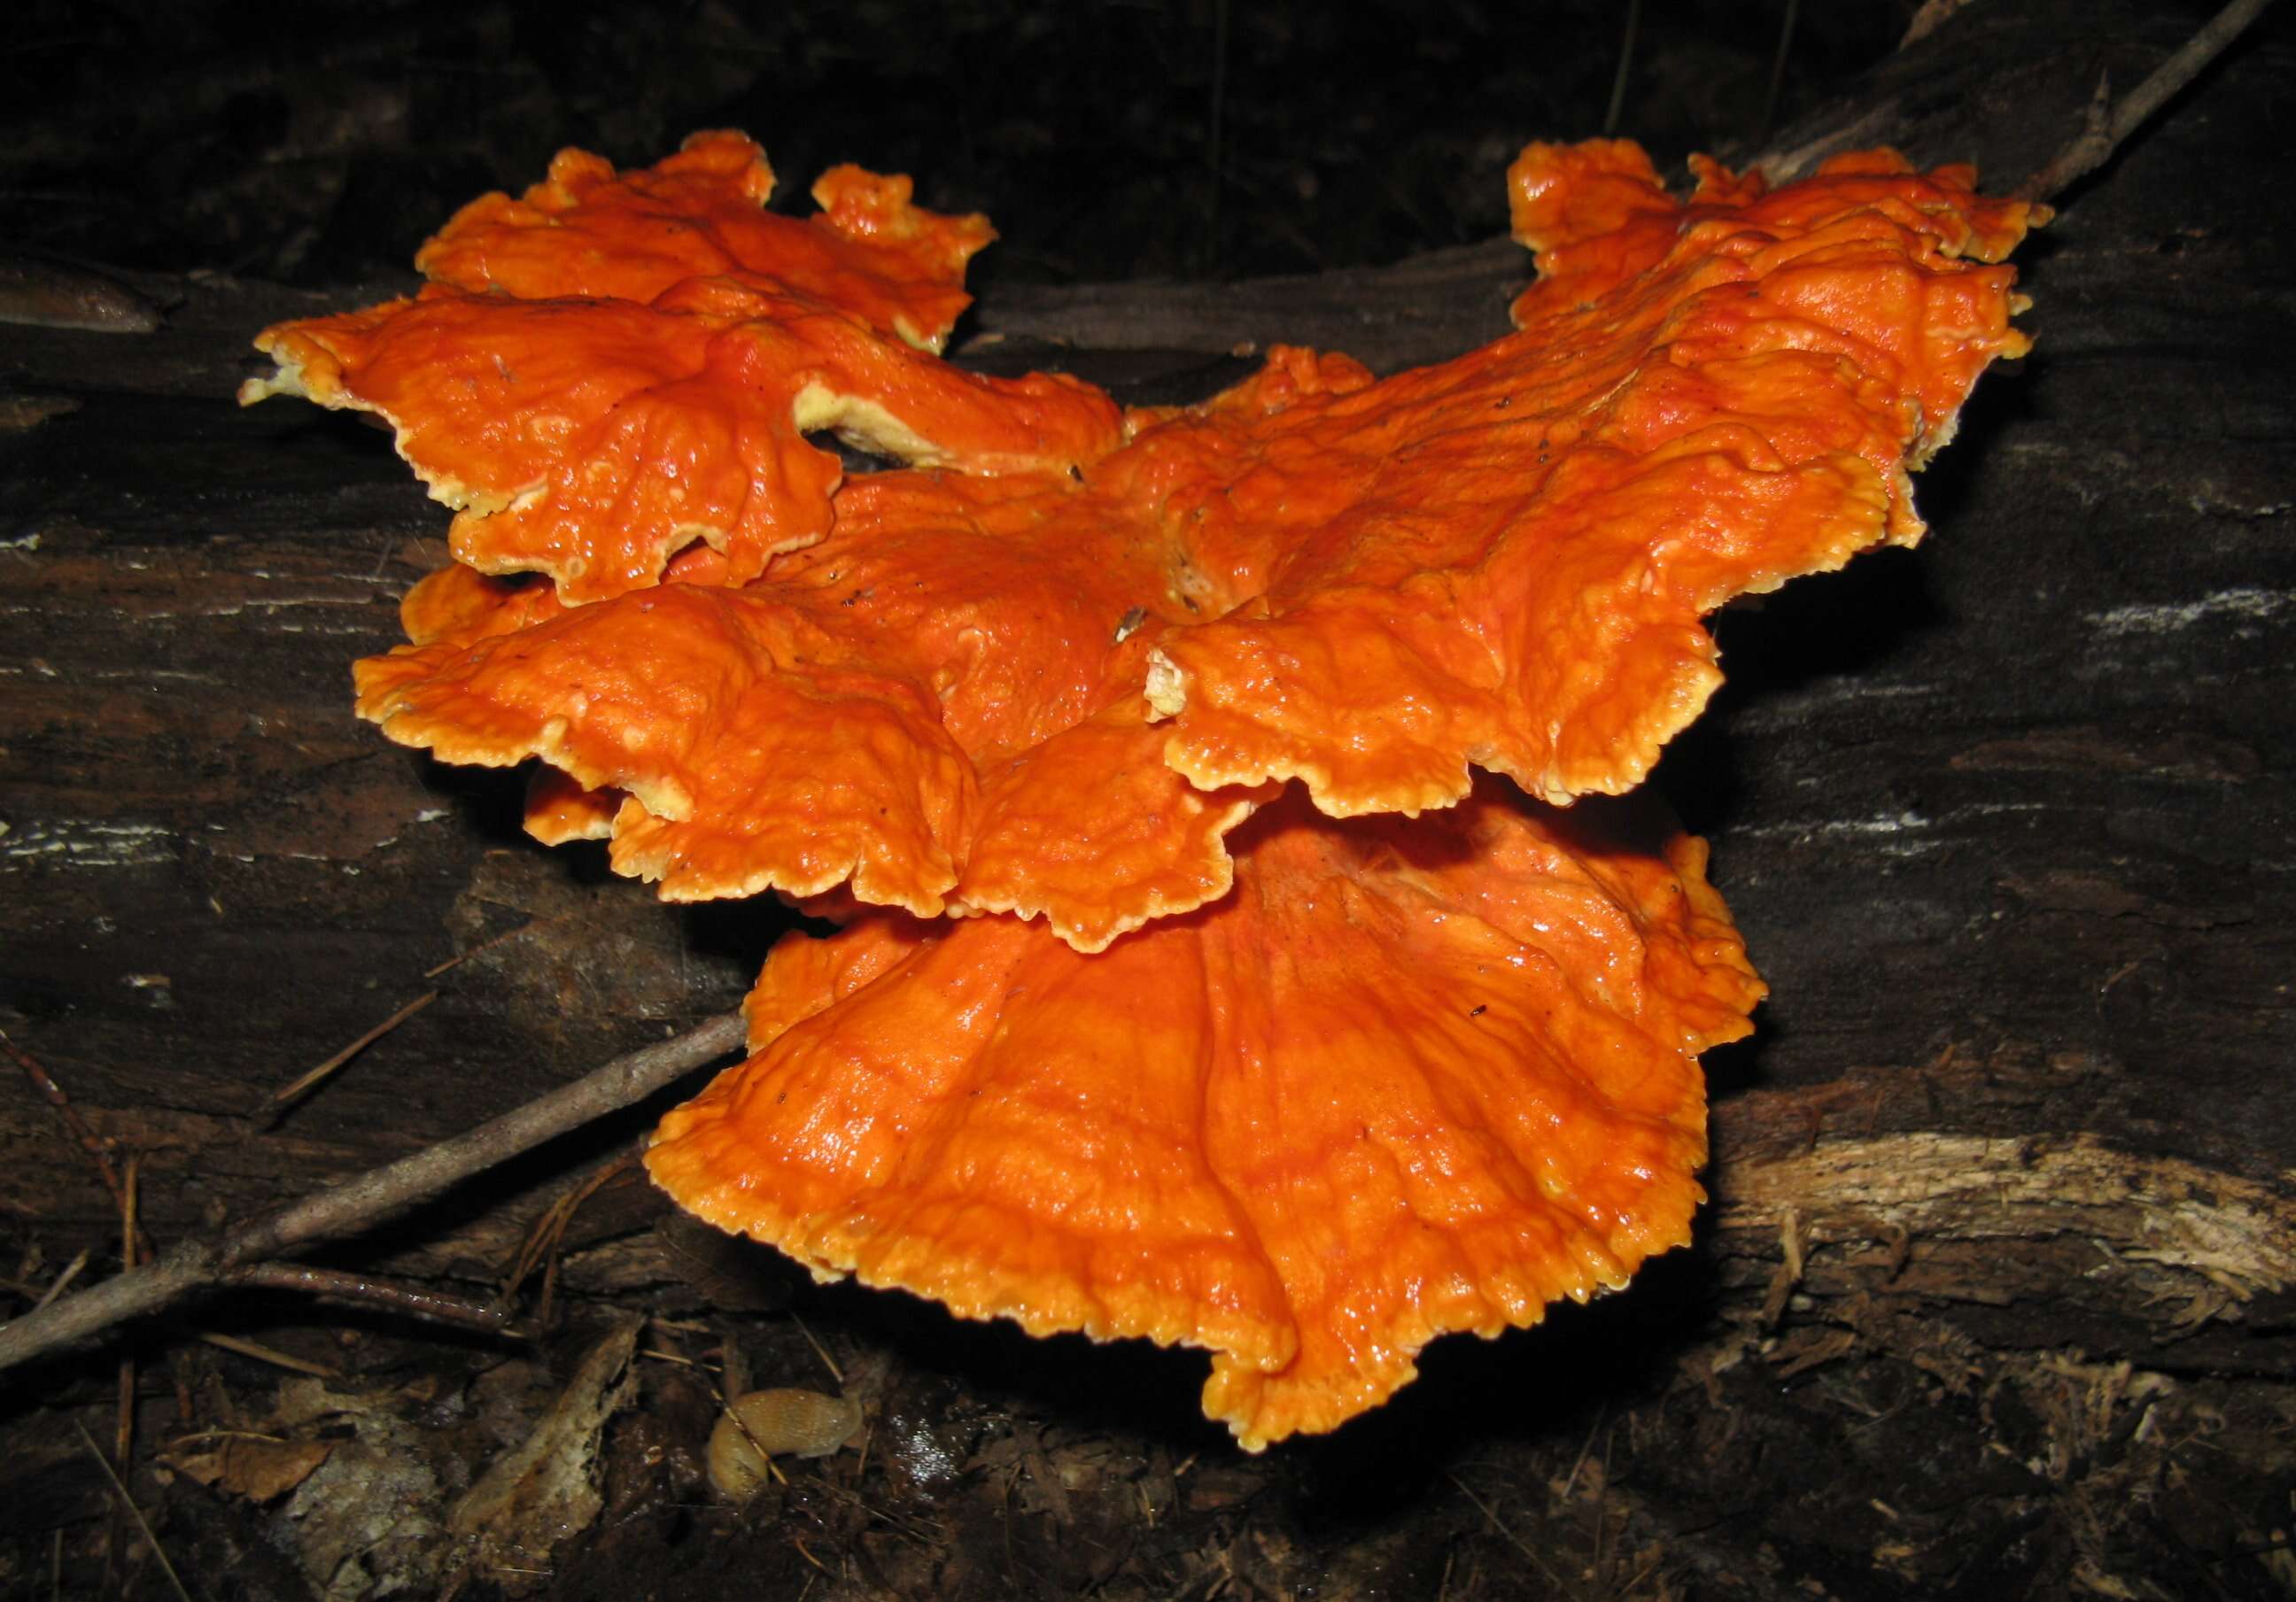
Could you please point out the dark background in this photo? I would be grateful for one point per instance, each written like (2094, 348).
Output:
(316, 142)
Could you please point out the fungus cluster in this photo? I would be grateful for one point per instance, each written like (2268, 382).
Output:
(1246, 935)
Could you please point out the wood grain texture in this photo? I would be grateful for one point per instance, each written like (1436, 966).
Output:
(2007, 820)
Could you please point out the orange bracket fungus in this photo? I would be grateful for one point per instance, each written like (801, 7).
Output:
(613, 368)
(1246, 939)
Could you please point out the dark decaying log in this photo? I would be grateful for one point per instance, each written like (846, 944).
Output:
(2002, 1201)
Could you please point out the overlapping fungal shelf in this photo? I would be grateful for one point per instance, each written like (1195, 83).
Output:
(1248, 940)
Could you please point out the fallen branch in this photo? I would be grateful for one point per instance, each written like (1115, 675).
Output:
(369, 1199)
(365, 1290)
(2107, 130)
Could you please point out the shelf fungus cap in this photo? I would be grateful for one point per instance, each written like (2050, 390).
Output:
(589, 231)
(1408, 1079)
(614, 367)
(1503, 561)
(937, 707)
(1053, 692)
(1216, 965)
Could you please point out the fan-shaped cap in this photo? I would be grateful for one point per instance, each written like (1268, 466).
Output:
(939, 701)
(1368, 586)
(1502, 561)
(587, 231)
(1301, 1085)
(1407, 1079)
(613, 368)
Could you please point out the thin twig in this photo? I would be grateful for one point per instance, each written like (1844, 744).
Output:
(415, 1300)
(1778, 68)
(741, 1427)
(199, 1438)
(663, 1355)
(2102, 134)
(267, 1354)
(361, 1202)
(820, 1351)
(123, 1447)
(484, 946)
(1626, 62)
(98, 1148)
(548, 1240)
(71, 1273)
(1603, 1506)
(119, 1486)
(1511, 1539)
(732, 1364)
(532, 1248)
(124, 1444)
(281, 1098)
(54, 1095)
(719, 1394)
(1571, 1484)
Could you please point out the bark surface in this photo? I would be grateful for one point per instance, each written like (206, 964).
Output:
(1998, 1285)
